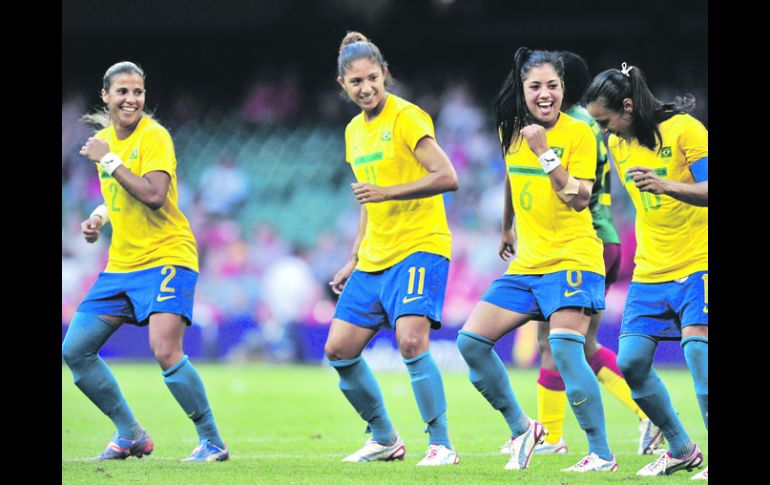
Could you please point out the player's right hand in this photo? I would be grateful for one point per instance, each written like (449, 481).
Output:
(90, 228)
(507, 245)
(339, 280)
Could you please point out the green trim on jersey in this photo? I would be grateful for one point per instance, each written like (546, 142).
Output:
(601, 213)
(372, 157)
(519, 170)
(662, 172)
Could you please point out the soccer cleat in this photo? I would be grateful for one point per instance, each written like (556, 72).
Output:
(206, 451)
(373, 451)
(558, 448)
(521, 446)
(667, 464)
(121, 448)
(704, 475)
(651, 438)
(593, 463)
(439, 455)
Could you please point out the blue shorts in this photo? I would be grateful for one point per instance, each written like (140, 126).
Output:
(662, 309)
(541, 295)
(415, 286)
(137, 294)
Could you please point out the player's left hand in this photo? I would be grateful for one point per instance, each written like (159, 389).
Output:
(366, 193)
(646, 180)
(534, 135)
(95, 149)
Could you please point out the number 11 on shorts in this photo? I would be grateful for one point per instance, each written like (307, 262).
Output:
(420, 285)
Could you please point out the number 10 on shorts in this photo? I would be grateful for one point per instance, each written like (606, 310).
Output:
(420, 285)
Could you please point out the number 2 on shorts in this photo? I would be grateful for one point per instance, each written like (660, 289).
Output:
(164, 288)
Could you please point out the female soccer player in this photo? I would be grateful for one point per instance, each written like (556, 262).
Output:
(396, 276)
(661, 156)
(551, 397)
(151, 272)
(558, 272)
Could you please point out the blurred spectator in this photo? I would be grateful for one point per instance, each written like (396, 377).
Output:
(223, 187)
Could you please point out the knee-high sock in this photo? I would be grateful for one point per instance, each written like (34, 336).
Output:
(187, 388)
(490, 377)
(582, 389)
(604, 364)
(429, 392)
(696, 354)
(635, 355)
(86, 335)
(362, 391)
(551, 404)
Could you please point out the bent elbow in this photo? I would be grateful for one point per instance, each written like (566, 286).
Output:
(579, 205)
(453, 183)
(155, 202)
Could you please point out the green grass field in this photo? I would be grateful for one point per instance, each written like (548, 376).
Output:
(291, 424)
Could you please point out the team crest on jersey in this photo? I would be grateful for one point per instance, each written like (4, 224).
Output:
(558, 150)
(386, 135)
(665, 152)
(134, 154)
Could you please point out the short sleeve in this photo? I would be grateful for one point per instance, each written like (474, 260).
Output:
(413, 125)
(348, 158)
(582, 157)
(157, 151)
(694, 141)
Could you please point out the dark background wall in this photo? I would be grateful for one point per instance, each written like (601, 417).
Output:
(215, 49)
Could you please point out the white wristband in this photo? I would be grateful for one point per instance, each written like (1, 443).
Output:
(549, 161)
(102, 212)
(110, 162)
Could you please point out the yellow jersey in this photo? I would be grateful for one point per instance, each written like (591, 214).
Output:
(672, 236)
(381, 152)
(141, 237)
(550, 235)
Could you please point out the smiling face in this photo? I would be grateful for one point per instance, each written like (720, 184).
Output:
(543, 92)
(610, 121)
(364, 83)
(125, 100)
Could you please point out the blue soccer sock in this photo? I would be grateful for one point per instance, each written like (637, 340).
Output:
(187, 388)
(582, 389)
(429, 391)
(489, 376)
(635, 355)
(86, 335)
(362, 391)
(696, 354)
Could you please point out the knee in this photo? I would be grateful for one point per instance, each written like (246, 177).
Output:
(167, 353)
(633, 365)
(542, 344)
(412, 344)
(71, 353)
(335, 351)
(470, 348)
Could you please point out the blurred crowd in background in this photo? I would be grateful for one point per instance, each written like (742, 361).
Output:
(267, 192)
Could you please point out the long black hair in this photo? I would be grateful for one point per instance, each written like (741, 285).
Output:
(510, 106)
(612, 86)
(576, 78)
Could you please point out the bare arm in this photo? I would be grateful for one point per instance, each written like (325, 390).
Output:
(508, 238)
(441, 178)
(646, 180)
(150, 190)
(339, 280)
